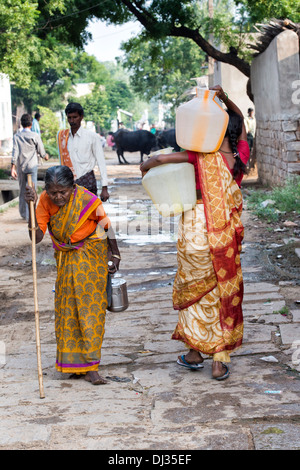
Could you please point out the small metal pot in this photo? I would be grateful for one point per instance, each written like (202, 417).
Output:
(119, 297)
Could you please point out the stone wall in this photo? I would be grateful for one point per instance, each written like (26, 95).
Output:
(275, 82)
(278, 148)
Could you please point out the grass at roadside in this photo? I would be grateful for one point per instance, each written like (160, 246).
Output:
(272, 205)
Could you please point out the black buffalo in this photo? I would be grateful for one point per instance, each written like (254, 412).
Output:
(166, 139)
(133, 141)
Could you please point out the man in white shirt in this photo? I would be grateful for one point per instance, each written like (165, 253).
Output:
(250, 123)
(81, 150)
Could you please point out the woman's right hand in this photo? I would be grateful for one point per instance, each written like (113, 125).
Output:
(30, 194)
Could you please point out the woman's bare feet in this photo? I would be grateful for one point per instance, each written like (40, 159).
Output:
(93, 377)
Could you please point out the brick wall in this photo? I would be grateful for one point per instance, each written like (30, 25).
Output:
(275, 81)
(278, 148)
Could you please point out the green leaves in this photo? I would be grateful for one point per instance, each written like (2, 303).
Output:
(49, 124)
(163, 68)
(260, 10)
(18, 44)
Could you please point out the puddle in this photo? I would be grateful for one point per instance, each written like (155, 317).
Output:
(127, 181)
(135, 281)
(141, 240)
(138, 222)
(146, 286)
(167, 271)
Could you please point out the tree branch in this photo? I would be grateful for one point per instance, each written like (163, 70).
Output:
(226, 57)
(143, 15)
(152, 26)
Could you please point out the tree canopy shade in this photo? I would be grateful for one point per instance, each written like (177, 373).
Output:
(31, 30)
(262, 10)
(17, 20)
(163, 68)
(172, 18)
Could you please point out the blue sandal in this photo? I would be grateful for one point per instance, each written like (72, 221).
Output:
(182, 362)
(224, 376)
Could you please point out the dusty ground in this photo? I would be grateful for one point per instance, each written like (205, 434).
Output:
(150, 402)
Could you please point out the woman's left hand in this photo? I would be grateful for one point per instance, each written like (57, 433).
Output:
(143, 168)
(113, 264)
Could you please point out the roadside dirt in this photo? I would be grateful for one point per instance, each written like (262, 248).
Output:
(279, 243)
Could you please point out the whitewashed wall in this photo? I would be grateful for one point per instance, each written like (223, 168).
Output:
(6, 129)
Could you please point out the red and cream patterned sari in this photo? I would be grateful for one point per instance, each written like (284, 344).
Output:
(208, 287)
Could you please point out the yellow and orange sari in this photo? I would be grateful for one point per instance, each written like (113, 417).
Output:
(208, 287)
(80, 289)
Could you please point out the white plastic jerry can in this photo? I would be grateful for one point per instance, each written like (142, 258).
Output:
(201, 123)
(172, 188)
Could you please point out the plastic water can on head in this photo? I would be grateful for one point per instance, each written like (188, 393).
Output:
(201, 123)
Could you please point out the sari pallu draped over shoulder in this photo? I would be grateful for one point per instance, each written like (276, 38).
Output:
(222, 201)
(70, 218)
(80, 289)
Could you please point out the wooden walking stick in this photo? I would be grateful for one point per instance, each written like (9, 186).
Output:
(36, 307)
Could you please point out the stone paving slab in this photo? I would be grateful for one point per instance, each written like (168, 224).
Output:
(296, 315)
(290, 333)
(265, 307)
(227, 437)
(150, 402)
(257, 287)
(276, 436)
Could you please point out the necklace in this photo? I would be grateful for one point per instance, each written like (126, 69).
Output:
(224, 151)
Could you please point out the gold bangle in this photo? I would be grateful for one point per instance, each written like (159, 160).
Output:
(116, 256)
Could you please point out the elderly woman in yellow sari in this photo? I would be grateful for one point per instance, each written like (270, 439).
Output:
(83, 241)
(208, 286)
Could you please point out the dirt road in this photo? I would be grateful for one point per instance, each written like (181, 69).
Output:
(149, 402)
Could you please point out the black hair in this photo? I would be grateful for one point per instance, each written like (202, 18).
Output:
(37, 115)
(61, 175)
(74, 108)
(26, 120)
(234, 130)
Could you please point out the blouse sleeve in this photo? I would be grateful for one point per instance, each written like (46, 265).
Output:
(244, 151)
(43, 213)
(192, 157)
(102, 218)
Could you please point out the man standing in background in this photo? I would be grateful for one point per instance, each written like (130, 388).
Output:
(35, 124)
(250, 123)
(27, 146)
(81, 150)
